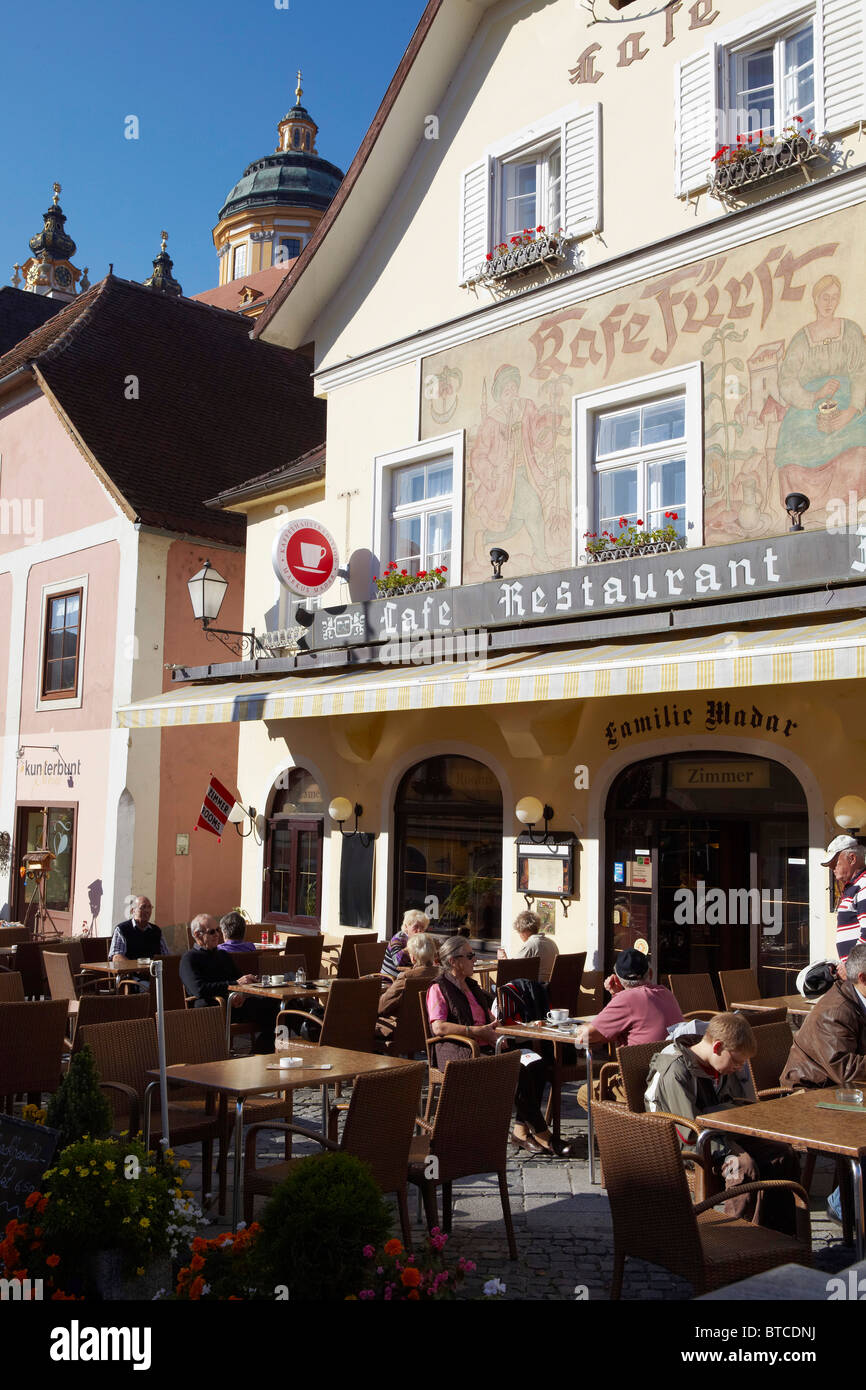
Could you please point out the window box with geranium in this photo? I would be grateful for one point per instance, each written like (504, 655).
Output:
(396, 581)
(521, 253)
(759, 158)
(633, 540)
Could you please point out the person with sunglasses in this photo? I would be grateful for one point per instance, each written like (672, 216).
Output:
(210, 974)
(457, 1004)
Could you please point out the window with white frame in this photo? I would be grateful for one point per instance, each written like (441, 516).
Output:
(771, 82)
(638, 457)
(422, 497)
(530, 192)
(418, 507)
(239, 261)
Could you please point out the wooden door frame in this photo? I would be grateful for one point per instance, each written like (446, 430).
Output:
(293, 919)
(64, 920)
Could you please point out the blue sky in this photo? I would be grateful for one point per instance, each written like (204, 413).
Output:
(208, 83)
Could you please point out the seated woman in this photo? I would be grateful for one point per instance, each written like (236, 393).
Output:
(424, 956)
(397, 953)
(456, 1004)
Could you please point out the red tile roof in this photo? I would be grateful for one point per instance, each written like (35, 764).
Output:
(265, 282)
(213, 409)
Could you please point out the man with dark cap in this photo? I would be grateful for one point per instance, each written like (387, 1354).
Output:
(638, 1012)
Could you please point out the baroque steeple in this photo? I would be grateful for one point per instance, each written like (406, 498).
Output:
(161, 278)
(49, 270)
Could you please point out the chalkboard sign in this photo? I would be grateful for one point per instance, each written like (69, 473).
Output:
(25, 1152)
(356, 882)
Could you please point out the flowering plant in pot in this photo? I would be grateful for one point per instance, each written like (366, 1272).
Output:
(394, 1274)
(758, 155)
(521, 251)
(394, 581)
(28, 1255)
(633, 539)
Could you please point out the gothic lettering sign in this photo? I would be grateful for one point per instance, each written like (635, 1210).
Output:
(672, 579)
(699, 15)
(713, 717)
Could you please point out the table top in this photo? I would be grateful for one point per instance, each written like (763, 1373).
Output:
(796, 1120)
(249, 1076)
(104, 967)
(289, 990)
(544, 1032)
(794, 1003)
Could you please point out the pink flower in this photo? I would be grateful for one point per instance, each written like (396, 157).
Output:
(368, 1252)
(366, 1293)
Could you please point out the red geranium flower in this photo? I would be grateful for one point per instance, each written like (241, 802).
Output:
(489, 256)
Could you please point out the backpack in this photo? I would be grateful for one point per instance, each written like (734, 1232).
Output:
(523, 1001)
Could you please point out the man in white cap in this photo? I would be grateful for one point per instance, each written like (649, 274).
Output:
(847, 859)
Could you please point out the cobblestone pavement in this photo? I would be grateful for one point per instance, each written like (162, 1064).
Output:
(562, 1223)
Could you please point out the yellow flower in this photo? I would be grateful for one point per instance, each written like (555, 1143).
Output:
(126, 1220)
(109, 1165)
(145, 1221)
(64, 1172)
(140, 1271)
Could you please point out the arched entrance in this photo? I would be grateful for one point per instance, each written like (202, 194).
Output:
(707, 862)
(448, 831)
(292, 891)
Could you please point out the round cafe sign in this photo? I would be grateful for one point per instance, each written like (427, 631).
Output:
(305, 557)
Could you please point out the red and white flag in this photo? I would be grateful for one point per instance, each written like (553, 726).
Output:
(216, 808)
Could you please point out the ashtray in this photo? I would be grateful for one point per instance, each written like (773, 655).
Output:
(849, 1096)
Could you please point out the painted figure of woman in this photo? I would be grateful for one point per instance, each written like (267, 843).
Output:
(821, 448)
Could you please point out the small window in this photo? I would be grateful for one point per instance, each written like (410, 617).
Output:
(639, 462)
(421, 511)
(290, 247)
(531, 192)
(61, 645)
(296, 138)
(239, 264)
(772, 83)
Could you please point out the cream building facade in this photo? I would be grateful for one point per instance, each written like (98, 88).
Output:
(542, 310)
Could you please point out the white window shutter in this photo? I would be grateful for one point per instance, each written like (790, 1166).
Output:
(474, 218)
(841, 43)
(695, 110)
(581, 172)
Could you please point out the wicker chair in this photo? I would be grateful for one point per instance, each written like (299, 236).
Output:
(11, 988)
(31, 1049)
(654, 1219)
(516, 968)
(760, 1018)
(435, 1073)
(407, 1038)
(62, 983)
(378, 1129)
(346, 967)
(694, 994)
(738, 984)
(368, 958)
(766, 1067)
(124, 1053)
(13, 934)
(590, 998)
(28, 962)
(310, 947)
(564, 985)
(109, 1008)
(94, 949)
(469, 1134)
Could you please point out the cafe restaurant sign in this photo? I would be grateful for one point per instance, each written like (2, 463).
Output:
(672, 579)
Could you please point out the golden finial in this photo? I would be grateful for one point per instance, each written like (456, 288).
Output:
(57, 191)
(299, 91)
(164, 236)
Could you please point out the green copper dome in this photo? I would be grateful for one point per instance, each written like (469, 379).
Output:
(291, 178)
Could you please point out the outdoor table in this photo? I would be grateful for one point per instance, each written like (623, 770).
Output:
(287, 991)
(794, 1003)
(241, 1077)
(559, 1037)
(484, 966)
(114, 972)
(796, 1120)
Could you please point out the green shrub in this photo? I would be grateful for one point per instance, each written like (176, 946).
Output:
(79, 1107)
(315, 1227)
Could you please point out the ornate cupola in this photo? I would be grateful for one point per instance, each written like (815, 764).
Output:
(49, 270)
(162, 279)
(298, 130)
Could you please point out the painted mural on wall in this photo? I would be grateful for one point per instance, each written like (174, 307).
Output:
(779, 328)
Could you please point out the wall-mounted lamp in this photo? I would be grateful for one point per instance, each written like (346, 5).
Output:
(206, 592)
(238, 814)
(796, 503)
(498, 558)
(340, 809)
(850, 812)
(529, 811)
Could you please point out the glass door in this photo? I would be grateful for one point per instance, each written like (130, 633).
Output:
(53, 828)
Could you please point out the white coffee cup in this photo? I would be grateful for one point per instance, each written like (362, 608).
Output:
(312, 555)
(291, 1061)
(557, 1015)
(278, 979)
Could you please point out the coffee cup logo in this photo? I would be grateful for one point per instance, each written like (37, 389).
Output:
(313, 555)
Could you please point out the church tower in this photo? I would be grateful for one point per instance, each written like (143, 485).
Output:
(49, 271)
(271, 213)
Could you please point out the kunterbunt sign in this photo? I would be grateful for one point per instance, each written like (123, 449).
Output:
(672, 579)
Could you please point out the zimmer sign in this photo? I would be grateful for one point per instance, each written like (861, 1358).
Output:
(701, 575)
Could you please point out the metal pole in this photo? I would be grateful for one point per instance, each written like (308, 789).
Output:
(156, 972)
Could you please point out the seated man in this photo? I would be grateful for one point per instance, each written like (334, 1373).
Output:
(396, 953)
(233, 928)
(209, 975)
(690, 1078)
(535, 943)
(424, 955)
(639, 1012)
(829, 1049)
(137, 939)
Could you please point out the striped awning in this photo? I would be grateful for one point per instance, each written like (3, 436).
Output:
(825, 652)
